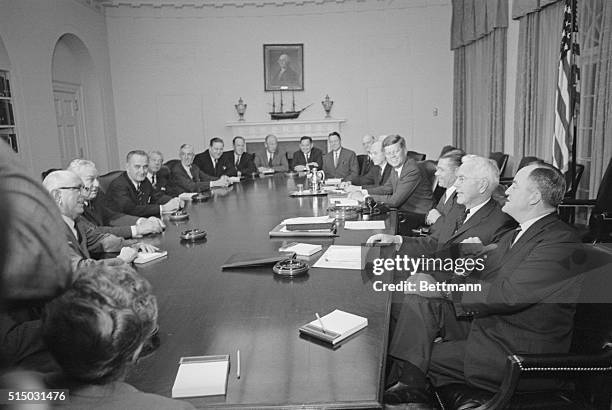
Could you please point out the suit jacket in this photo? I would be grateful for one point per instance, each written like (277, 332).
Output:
(489, 223)
(526, 304)
(107, 220)
(373, 177)
(205, 163)
(279, 162)
(411, 192)
(180, 181)
(316, 155)
(365, 163)
(124, 197)
(347, 168)
(77, 251)
(246, 165)
(162, 179)
(445, 207)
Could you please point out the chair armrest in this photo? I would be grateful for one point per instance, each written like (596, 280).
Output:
(577, 202)
(555, 364)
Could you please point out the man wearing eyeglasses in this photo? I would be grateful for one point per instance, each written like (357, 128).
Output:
(69, 193)
(133, 194)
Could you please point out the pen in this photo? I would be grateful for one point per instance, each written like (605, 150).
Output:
(320, 322)
(238, 366)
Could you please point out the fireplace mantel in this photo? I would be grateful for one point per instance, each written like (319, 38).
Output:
(285, 130)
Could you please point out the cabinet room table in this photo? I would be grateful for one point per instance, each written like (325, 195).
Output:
(206, 311)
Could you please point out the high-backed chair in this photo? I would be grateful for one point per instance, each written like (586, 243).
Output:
(501, 159)
(171, 163)
(417, 156)
(361, 158)
(106, 179)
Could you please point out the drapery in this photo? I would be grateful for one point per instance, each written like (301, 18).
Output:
(478, 38)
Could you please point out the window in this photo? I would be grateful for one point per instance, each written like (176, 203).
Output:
(7, 120)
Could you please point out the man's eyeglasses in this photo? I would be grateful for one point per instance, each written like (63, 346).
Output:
(83, 189)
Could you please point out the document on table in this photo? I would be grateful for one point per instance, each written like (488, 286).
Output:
(364, 225)
(301, 220)
(201, 376)
(342, 257)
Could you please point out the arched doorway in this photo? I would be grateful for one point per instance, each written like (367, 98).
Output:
(78, 102)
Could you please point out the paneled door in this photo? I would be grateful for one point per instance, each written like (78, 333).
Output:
(69, 121)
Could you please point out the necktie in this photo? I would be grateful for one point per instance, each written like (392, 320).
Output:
(191, 170)
(214, 163)
(154, 179)
(237, 161)
(335, 159)
(78, 232)
(307, 157)
(514, 236)
(461, 221)
(270, 160)
(139, 194)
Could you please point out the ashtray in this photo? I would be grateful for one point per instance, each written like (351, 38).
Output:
(290, 268)
(178, 215)
(344, 212)
(193, 234)
(201, 197)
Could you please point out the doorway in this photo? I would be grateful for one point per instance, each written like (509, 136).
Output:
(70, 129)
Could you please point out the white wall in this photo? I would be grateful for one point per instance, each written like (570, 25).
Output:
(177, 73)
(29, 30)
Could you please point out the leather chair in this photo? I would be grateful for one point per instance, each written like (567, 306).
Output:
(361, 158)
(417, 156)
(171, 162)
(501, 159)
(106, 179)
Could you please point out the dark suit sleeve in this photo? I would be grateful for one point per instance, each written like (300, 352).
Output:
(318, 158)
(298, 159)
(408, 182)
(353, 168)
(119, 191)
(368, 178)
(247, 166)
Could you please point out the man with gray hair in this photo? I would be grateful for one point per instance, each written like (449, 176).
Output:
(98, 213)
(378, 170)
(188, 177)
(365, 161)
(158, 174)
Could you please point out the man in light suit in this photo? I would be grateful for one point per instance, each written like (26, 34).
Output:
(132, 193)
(210, 162)
(272, 159)
(339, 162)
(526, 302)
(187, 176)
(447, 166)
(307, 156)
(238, 160)
(378, 171)
(407, 189)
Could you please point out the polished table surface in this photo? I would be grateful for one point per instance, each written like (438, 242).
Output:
(206, 311)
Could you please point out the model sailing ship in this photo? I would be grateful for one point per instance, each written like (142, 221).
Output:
(285, 115)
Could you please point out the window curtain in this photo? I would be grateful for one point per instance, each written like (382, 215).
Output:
(538, 62)
(601, 145)
(478, 38)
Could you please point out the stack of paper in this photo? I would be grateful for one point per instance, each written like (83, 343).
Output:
(341, 257)
(335, 326)
(201, 376)
(301, 249)
(364, 225)
(144, 257)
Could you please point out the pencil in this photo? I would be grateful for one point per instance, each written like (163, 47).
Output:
(320, 322)
(238, 366)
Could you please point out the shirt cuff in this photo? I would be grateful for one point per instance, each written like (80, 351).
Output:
(135, 232)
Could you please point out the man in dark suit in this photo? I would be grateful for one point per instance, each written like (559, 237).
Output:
(407, 189)
(187, 176)
(308, 156)
(378, 172)
(447, 166)
(105, 219)
(238, 160)
(525, 301)
(132, 193)
(339, 162)
(158, 174)
(272, 159)
(209, 161)
(365, 162)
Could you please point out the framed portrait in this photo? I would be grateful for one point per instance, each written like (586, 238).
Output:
(283, 67)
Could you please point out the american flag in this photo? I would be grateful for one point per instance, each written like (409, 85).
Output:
(567, 85)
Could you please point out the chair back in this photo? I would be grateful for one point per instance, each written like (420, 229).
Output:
(417, 156)
(106, 179)
(572, 184)
(361, 158)
(501, 160)
(603, 204)
(526, 161)
(171, 163)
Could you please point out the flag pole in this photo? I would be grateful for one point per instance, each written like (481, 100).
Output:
(575, 73)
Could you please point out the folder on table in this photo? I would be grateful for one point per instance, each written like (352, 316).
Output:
(201, 376)
(337, 326)
(245, 260)
(145, 257)
(301, 249)
(306, 226)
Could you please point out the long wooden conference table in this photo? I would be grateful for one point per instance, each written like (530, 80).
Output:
(206, 311)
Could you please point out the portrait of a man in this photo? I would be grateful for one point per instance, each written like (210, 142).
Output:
(283, 67)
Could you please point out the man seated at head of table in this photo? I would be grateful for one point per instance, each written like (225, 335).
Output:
(408, 187)
(308, 156)
(526, 303)
(98, 212)
(477, 214)
(188, 177)
(272, 159)
(238, 160)
(210, 162)
(68, 191)
(339, 162)
(132, 193)
(95, 331)
(446, 170)
(158, 174)
(378, 171)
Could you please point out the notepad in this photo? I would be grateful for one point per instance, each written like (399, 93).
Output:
(144, 257)
(341, 257)
(201, 376)
(337, 326)
(364, 225)
(301, 249)
(186, 196)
